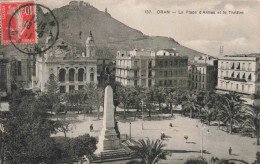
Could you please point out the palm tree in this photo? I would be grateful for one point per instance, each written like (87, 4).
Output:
(149, 151)
(208, 111)
(252, 121)
(231, 112)
(191, 103)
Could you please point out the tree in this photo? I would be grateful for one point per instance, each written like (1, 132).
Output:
(252, 121)
(148, 100)
(27, 131)
(63, 126)
(52, 85)
(159, 95)
(96, 97)
(173, 97)
(124, 97)
(137, 95)
(208, 111)
(231, 112)
(83, 145)
(149, 151)
(191, 103)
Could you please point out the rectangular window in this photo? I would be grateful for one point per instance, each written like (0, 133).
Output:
(135, 63)
(149, 83)
(243, 88)
(170, 82)
(165, 73)
(161, 63)
(237, 87)
(160, 83)
(135, 74)
(92, 77)
(166, 63)
(71, 88)
(19, 68)
(165, 82)
(135, 82)
(249, 67)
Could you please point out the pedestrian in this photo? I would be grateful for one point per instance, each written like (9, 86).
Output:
(170, 124)
(230, 151)
(91, 127)
(162, 135)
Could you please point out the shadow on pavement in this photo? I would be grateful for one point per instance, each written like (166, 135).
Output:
(186, 151)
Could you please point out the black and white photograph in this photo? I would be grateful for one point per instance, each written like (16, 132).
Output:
(130, 81)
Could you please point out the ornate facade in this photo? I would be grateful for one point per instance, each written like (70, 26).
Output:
(73, 69)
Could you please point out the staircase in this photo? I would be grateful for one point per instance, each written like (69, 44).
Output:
(111, 155)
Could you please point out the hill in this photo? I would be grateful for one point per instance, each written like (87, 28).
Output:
(77, 20)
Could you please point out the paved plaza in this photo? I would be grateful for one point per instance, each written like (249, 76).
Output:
(215, 142)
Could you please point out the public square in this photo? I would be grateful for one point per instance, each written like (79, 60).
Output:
(215, 142)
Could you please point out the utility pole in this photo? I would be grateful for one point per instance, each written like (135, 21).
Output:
(221, 50)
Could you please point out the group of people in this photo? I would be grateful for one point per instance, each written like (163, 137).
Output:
(162, 135)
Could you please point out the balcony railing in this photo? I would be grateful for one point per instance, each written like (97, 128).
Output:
(235, 79)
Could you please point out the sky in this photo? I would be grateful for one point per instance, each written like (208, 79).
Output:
(238, 33)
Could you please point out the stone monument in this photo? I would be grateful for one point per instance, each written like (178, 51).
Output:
(108, 139)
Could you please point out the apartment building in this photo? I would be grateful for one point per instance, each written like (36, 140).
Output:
(203, 73)
(170, 69)
(202, 76)
(239, 73)
(134, 68)
(148, 68)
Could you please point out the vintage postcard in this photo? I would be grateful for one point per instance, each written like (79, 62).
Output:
(130, 81)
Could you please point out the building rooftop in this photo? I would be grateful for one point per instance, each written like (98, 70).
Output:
(172, 50)
(200, 64)
(244, 55)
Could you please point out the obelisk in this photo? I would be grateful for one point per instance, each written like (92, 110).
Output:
(108, 139)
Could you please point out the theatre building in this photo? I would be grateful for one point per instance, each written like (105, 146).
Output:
(73, 69)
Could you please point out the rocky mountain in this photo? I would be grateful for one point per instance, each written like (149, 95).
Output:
(76, 20)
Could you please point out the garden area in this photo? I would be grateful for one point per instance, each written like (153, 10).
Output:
(55, 128)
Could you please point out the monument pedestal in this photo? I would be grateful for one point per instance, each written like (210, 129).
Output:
(109, 147)
(108, 140)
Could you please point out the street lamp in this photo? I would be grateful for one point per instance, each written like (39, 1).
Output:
(142, 114)
(142, 109)
(201, 153)
(130, 130)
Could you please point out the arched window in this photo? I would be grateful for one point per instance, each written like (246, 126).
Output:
(62, 75)
(71, 74)
(80, 74)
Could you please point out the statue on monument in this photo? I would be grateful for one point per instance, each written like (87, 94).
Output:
(108, 75)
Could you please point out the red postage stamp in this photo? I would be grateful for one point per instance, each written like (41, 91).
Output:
(18, 23)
